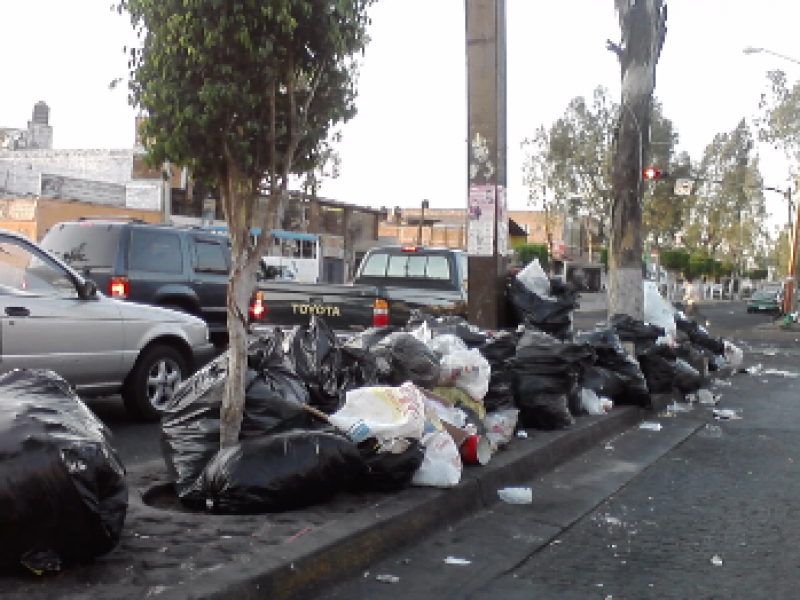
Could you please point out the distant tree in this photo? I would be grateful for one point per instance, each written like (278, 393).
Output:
(756, 274)
(243, 92)
(728, 211)
(527, 252)
(778, 122)
(676, 261)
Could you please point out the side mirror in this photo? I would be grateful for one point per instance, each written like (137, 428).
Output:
(87, 290)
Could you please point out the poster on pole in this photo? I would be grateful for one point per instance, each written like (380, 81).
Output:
(502, 222)
(481, 220)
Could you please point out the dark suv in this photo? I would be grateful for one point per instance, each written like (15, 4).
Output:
(184, 269)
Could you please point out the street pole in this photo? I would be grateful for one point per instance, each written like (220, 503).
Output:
(421, 221)
(487, 222)
(788, 300)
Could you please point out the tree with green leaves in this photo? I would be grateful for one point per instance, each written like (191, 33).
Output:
(728, 211)
(778, 122)
(243, 92)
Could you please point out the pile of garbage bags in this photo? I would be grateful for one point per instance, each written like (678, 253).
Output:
(62, 486)
(397, 406)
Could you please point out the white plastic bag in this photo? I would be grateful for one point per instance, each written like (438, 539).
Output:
(657, 311)
(500, 426)
(535, 279)
(442, 466)
(733, 354)
(468, 371)
(591, 403)
(382, 412)
(447, 344)
(423, 333)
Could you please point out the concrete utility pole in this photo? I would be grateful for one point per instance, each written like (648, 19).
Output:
(487, 223)
(643, 25)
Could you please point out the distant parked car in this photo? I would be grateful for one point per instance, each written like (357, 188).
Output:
(53, 318)
(181, 268)
(765, 302)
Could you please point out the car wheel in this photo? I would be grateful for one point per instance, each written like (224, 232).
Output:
(151, 384)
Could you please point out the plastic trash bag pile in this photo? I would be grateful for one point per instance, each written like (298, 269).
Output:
(415, 405)
(62, 486)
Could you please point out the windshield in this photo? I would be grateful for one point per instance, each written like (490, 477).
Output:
(77, 246)
(765, 295)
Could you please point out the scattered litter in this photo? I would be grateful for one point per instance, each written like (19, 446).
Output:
(769, 352)
(387, 578)
(650, 426)
(522, 434)
(716, 561)
(726, 414)
(706, 397)
(755, 369)
(452, 560)
(722, 382)
(787, 374)
(713, 431)
(609, 447)
(679, 408)
(516, 495)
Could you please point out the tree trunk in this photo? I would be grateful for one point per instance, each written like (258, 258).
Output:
(643, 29)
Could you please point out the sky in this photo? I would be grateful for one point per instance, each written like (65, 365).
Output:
(408, 142)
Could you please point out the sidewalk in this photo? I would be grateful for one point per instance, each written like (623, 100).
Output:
(166, 552)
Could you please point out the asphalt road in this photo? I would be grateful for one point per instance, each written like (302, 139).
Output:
(139, 442)
(701, 509)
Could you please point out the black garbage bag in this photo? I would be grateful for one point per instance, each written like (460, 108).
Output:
(63, 495)
(500, 394)
(549, 355)
(401, 357)
(659, 372)
(450, 324)
(367, 339)
(603, 382)
(190, 424)
(387, 471)
(499, 348)
(641, 334)
(699, 336)
(545, 411)
(687, 379)
(315, 355)
(553, 316)
(279, 472)
(611, 355)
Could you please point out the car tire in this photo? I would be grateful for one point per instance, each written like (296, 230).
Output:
(156, 375)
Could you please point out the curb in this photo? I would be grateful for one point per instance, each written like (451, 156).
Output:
(347, 546)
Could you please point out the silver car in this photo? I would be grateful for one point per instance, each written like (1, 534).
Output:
(52, 318)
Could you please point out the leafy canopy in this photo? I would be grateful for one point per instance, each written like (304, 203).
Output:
(210, 72)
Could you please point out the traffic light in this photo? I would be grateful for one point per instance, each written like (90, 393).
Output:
(651, 173)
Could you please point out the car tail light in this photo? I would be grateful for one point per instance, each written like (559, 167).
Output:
(409, 249)
(119, 287)
(380, 313)
(258, 307)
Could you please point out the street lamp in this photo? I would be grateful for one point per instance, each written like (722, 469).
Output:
(751, 50)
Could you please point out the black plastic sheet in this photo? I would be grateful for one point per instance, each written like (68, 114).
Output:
(63, 495)
(641, 334)
(500, 394)
(659, 372)
(279, 472)
(401, 357)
